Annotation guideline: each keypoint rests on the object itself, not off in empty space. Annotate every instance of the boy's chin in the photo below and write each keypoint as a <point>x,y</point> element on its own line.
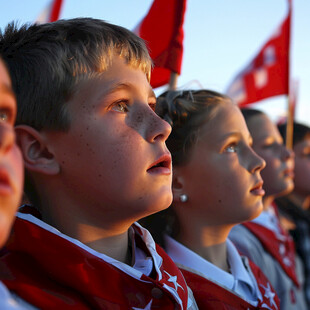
<point>163,202</point>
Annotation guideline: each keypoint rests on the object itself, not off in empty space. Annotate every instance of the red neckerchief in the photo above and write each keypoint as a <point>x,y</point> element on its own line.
<point>209,295</point>
<point>51,272</point>
<point>283,250</point>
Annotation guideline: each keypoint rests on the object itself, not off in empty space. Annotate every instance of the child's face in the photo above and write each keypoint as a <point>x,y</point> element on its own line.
<point>267,143</point>
<point>11,169</point>
<point>115,140</point>
<point>302,167</point>
<point>222,178</point>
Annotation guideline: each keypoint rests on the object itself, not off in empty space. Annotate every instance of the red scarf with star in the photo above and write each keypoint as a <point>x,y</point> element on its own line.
<point>51,272</point>
<point>282,250</point>
<point>211,296</point>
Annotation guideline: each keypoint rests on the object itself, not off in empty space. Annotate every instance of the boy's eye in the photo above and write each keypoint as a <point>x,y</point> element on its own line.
<point>232,148</point>
<point>120,106</point>
<point>4,115</point>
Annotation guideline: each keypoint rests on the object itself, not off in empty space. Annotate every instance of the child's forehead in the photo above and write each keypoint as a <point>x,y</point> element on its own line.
<point>4,76</point>
<point>226,119</point>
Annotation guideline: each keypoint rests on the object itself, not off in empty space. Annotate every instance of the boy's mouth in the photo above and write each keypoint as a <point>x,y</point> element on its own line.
<point>161,166</point>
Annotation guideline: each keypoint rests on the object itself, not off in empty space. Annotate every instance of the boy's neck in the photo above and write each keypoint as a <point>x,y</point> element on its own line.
<point>116,246</point>
<point>111,241</point>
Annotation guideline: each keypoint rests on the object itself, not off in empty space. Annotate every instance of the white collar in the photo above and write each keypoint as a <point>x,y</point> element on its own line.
<point>236,281</point>
<point>10,301</point>
<point>269,219</point>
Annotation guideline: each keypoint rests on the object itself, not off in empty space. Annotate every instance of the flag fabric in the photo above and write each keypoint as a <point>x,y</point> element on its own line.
<point>267,75</point>
<point>50,13</point>
<point>162,30</point>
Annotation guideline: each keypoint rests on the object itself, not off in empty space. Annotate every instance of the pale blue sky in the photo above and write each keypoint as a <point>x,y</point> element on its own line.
<point>221,37</point>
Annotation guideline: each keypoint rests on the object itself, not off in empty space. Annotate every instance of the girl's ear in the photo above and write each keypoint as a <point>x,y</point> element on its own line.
<point>177,185</point>
<point>35,150</point>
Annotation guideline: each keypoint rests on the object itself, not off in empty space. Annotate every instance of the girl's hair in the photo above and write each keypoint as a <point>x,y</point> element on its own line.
<point>186,111</point>
<point>300,132</point>
<point>248,113</point>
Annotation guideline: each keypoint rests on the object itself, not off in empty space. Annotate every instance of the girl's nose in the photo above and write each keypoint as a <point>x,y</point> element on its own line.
<point>258,163</point>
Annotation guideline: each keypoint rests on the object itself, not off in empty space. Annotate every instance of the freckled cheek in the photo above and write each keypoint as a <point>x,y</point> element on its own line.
<point>143,120</point>
<point>135,120</point>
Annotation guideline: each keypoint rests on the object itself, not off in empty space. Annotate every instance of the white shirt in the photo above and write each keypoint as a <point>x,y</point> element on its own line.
<point>240,280</point>
<point>9,301</point>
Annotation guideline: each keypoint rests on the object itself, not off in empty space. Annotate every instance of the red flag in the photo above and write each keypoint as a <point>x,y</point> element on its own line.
<point>162,29</point>
<point>51,12</point>
<point>268,73</point>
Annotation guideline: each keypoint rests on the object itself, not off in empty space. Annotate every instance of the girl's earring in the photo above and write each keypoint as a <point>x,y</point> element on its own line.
<point>183,198</point>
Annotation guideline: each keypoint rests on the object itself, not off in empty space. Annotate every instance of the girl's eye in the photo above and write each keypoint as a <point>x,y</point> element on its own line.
<point>120,106</point>
<point>232,148</point>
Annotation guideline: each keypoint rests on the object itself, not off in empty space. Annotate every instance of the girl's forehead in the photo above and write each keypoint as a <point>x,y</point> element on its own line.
<point>226,119</point>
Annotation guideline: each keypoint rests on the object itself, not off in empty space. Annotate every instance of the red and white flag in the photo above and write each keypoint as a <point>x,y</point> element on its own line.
<point>162,29</point>
<point>267,75</point>
<point>51,12</point>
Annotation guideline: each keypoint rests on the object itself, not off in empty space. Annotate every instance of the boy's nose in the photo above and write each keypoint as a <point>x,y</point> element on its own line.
<point>7,138</point>
<point>159,129</point>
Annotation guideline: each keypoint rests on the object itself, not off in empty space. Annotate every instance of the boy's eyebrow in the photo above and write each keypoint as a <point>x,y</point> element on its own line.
<point>123,85</point>
<point>235,134</point>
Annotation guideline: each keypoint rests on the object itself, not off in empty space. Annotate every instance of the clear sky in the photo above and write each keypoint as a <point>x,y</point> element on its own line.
<point>221,37</point>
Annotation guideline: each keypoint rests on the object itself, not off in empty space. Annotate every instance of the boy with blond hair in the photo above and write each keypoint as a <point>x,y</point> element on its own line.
<point>96,161</point>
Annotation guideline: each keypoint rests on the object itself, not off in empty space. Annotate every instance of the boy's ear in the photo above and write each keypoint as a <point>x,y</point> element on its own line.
<point>177,185</point>
<point>36,154</point>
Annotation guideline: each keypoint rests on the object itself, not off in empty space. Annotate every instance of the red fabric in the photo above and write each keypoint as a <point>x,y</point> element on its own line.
<point>268,73</point>
<point>162,29</point>
<point>278,249</point>
<point>209,295</point>
<point>50,272</point>
<point>55,10</point>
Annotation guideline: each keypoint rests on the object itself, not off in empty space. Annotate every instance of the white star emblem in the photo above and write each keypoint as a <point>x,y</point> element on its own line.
<point>269,295</point>
<point>287,261</point>
<point>174,279</point>
<point>147,307</point>
<point>282,249</point>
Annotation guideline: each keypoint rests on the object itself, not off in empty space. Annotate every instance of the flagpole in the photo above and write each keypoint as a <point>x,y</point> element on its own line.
<point>173,81</point>
<point>290,116</point>
<point>289,125</point>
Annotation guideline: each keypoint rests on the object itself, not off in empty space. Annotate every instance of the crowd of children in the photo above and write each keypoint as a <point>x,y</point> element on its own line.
<point>98,148</point>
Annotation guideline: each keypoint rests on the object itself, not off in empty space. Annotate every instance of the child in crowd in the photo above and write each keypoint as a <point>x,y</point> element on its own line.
<point>11,178</point>
<point>96,161</point>
<point>294,208</point>
<point>216,184</point>
<point>264,240</point>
